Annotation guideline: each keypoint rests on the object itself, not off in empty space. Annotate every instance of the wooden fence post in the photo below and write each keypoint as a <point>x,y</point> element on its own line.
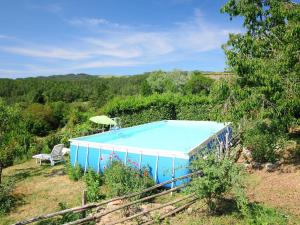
<point>83,202</point>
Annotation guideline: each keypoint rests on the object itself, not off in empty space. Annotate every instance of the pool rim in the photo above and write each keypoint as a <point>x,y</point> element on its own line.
<point>149,151</point>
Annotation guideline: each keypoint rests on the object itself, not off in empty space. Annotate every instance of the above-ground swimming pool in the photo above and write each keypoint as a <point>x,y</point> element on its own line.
<point>164,147</point>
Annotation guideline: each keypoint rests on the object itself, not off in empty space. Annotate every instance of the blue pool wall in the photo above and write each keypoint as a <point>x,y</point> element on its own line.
<point>164,167</point>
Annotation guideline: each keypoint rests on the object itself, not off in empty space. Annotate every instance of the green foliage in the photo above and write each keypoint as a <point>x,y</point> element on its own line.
<point>93,182</point>
<point>219,178</point>
<point>265,59</point>
<point>13,135</point>
<point>139,109</point>
<point>69,88</point>
<point>68,217</point>
<point>7,201</point>
<point>75,172</point>
<point>198,83</point>
<point>176,81</point>
<point>262,215</point>
<point>40,119</point>
<point>121,179</point>
<point>264,139</point>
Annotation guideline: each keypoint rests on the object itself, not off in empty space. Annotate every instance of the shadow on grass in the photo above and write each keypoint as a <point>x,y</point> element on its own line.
<point>22,174</point>
<point>227,206</point>
<point>45,170</point>
<point>56,172</point>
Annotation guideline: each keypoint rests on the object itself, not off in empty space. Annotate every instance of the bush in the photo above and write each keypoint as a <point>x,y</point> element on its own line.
<point>264,139</point>
<point>143,109</point>
<point>121,179</point>
<point>75,172</point>
<point>39,119</point>
<point>219,178</point>
<point>262,215</point>
<point>7,201</point>
<point>93,182</point>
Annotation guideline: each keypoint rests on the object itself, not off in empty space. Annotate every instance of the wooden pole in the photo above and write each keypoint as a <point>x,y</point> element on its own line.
<point>176,210</point>
<point>94,205</point>
<point>83,202</point>
<point>149,210</point>
<point>95,217</point>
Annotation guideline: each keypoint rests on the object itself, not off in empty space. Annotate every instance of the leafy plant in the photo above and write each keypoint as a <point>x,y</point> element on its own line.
<point>7,201</point>
<point>75,172</point>
<point>265,141</point>
<point>265,60</point>
<point>262,215</point>
<point>219,178</point>
<point>121,179</point>
<point>93,183</point>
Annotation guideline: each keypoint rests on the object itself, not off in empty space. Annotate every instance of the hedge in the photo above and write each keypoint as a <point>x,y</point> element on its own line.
<point>136,110</point>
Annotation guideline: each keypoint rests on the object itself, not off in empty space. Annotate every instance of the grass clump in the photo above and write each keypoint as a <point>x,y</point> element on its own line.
<point>262,215</point>
<point>75,173</point>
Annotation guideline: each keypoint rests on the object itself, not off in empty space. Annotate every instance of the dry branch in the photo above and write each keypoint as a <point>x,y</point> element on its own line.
<point>95,217</point>
<point>150,210</point>
<point>176,210</point>
<point>93,205</point>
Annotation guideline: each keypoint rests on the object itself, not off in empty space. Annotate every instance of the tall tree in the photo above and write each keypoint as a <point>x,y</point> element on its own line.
<point>266,61</point>
<point>13,135</point>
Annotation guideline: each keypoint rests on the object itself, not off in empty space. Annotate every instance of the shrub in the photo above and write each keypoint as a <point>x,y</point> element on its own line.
<point>121,179</point>
<point>219,178</point>
<point>75,172</point>
<point>262,215</point>
<point>93,182</point>
<point>39,119</point>
<point>142,109</point>
<point>7,201</point>
<point>264,139</point>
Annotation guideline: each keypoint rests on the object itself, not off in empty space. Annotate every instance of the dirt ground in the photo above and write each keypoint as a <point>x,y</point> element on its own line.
<point>279,189</point>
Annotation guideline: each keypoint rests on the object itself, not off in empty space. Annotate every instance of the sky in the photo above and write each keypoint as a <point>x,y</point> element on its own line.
<point>111,37</point>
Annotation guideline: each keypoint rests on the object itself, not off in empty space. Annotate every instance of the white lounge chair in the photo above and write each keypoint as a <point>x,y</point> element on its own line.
<point>55,156</point>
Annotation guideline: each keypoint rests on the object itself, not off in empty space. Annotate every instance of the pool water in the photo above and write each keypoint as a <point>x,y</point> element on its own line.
<point>179,136</point>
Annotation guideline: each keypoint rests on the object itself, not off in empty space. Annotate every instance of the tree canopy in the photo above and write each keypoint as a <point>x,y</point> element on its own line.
<point>266,61</point>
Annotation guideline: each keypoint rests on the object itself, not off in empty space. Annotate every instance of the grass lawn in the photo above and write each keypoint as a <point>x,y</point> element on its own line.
<point>39,189</point>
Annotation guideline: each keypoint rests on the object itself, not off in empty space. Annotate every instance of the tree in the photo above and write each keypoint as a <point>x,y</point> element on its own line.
<point>12,135</point>
<point>158,81</point>
<point>265,59</point>
<point>40,119</point>
<point>198,83</point>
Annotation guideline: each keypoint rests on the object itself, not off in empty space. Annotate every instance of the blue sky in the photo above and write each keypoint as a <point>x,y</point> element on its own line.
<point>43,37</point>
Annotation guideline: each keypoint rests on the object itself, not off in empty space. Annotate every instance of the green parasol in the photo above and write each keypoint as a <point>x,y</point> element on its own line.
<point>105,120</point>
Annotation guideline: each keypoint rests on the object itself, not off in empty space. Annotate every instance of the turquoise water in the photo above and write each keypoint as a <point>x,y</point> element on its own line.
<point>167,135</point>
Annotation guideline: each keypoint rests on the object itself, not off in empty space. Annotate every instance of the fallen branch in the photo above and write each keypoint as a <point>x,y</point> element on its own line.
<point>94,205</point>
<point>95,217</point>
<point>176,210</point>
<point>150,210</point>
